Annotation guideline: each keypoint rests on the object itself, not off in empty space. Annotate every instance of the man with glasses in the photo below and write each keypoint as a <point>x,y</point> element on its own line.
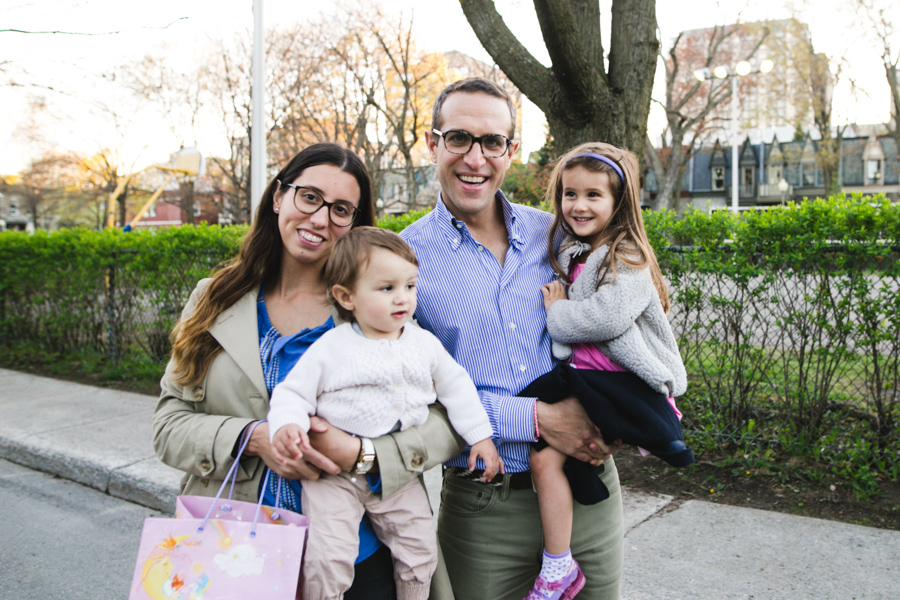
<point>482,262</point>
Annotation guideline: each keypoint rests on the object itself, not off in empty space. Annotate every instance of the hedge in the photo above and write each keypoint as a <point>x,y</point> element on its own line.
<point>788,319</point>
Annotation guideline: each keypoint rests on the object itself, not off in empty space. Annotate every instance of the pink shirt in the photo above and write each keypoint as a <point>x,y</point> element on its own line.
<point>588,356</point>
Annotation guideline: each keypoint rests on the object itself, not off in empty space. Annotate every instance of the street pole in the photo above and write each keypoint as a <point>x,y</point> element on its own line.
<point>734,144</point>
<point>257,126</point>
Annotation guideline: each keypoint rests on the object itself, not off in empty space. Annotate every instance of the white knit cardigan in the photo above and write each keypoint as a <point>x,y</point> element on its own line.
<point>366,387</point>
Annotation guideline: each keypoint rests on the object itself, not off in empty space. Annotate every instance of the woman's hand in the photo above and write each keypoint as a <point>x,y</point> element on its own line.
<point>553,291</point>
<point>566,427</point>
<point>336,444</point>
<point>308,467</point>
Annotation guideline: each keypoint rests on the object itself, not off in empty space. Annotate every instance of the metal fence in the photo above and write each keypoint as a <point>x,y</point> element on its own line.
<point>800,357</point>
<point>778,354</point>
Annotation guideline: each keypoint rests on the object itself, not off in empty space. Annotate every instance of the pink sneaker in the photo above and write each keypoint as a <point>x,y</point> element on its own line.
<point>564,589</point>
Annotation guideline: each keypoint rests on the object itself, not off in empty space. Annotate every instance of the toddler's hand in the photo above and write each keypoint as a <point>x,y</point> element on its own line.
<point>487,451</point>
<point>289,443</point>
<point>553,291</point>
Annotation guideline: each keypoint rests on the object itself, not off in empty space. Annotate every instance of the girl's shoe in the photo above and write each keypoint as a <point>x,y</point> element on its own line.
<point>564,589</point>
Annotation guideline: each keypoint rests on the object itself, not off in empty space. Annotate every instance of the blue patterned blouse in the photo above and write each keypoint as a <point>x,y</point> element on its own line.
<point>279,354</point>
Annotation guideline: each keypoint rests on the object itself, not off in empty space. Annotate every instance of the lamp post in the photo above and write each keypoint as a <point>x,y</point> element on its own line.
<point>741,69</point>
<point>257,127</point>
<point>782,187</point>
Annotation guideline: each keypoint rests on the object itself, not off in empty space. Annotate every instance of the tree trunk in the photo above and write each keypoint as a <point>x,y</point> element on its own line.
<point>891,71</point>
<point>582,99</point>
<point>122,209</point>
<point>186,189</point>
<point>410,184</point>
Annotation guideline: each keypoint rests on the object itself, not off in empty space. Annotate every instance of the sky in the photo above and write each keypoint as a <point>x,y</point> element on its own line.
<point>78,67</point>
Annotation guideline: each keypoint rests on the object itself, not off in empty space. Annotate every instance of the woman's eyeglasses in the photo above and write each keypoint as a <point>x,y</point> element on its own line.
<point>309,201</point>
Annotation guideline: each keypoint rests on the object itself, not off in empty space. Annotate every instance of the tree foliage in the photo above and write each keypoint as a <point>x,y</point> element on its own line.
<point>692,106</point>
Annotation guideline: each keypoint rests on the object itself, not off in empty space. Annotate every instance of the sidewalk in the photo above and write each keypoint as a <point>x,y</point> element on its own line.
<point>697,550</point>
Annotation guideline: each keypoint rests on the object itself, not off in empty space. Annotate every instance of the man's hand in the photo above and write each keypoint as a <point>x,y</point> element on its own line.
<point>553,291</point>
<point>566,427</point>
<point>308,467</point>
<point>336,444</point>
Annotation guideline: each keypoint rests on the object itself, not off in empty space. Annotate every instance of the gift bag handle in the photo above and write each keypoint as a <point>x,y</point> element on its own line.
<point>232,475</point>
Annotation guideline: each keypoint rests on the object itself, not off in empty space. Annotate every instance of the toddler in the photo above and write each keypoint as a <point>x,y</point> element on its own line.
<point>372,375</point>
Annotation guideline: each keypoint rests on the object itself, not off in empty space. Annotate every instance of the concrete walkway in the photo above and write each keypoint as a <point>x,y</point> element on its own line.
<point>695,550</point>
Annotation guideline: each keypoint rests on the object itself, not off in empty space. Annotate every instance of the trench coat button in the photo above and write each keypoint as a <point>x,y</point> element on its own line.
<point>198,394</point>
<point>205,464</point>
<point>417,461</point>
<point>204,482</point>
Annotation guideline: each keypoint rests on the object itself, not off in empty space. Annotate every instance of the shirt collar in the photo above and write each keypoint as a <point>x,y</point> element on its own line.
<point>456,231</point>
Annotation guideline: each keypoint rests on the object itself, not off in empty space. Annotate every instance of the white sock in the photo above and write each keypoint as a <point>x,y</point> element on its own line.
<point>555,566</point>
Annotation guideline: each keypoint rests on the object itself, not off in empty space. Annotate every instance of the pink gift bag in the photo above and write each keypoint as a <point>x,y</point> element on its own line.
<point>220,550</point>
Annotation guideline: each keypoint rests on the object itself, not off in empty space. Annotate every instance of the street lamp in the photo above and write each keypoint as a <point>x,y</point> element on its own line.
<point>741,69</point>
<point>783,187</point>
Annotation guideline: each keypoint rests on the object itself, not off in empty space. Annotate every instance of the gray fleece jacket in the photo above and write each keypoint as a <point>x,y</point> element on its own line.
<point>624,319</point>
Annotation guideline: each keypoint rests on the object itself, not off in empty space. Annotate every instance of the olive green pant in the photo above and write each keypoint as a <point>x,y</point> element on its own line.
<point>492,540</point>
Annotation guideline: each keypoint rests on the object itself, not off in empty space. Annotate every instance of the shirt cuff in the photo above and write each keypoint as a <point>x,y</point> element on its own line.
<point>515,419</point>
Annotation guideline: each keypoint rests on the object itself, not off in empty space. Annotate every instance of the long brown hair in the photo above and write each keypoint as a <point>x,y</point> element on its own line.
<point>625,234</point>
<point>259,260</point>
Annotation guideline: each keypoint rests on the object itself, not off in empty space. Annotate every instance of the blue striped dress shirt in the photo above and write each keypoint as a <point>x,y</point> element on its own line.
<point>490,318</point>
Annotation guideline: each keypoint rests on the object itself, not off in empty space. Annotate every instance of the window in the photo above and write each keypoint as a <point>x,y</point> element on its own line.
<point>718,178</point>
<point>873,171</point>
<point>196,209</point>
<point>747,181</point>
<point>151,212</point>
<point>809,174</point>
<point>776,174</point>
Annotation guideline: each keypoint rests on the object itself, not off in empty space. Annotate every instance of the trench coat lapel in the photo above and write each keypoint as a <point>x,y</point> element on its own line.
<point>237,331</point>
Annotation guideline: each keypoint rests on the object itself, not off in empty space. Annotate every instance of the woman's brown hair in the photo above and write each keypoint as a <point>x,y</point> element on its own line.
<point>625,234</point>
<point>258,262</point>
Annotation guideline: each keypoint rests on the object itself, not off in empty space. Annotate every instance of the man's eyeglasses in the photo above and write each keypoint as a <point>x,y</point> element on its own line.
<point>309,201</point>
<point>458,141</point>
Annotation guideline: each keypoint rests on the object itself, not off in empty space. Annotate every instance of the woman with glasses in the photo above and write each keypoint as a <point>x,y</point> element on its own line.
<point>246,326</point>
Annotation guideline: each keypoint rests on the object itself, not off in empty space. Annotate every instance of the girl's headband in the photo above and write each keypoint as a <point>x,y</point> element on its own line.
<point>601,158</point>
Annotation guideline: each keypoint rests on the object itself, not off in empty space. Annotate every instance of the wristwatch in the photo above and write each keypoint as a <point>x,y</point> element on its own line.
<point>366,459</point>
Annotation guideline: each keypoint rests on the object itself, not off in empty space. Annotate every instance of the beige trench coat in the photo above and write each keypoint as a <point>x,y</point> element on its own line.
<point>195,428</point>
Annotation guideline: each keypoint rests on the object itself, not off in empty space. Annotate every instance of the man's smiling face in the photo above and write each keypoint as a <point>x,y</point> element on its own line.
<point>470,181</point>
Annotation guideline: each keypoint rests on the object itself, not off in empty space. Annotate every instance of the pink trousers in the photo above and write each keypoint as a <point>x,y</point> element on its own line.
<point>403,522</point>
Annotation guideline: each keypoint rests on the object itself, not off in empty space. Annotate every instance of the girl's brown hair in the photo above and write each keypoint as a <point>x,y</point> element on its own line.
<point>352,254</point>
<point>625,234</point>
<point>258,262</point>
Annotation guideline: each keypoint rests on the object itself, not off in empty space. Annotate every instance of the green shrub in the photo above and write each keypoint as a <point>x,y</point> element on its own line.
<point>788,320</point>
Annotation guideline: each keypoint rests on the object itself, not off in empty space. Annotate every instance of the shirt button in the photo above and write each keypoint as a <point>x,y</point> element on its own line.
<point>398,410</point>
<point>481,248</point>
<point>522,368</point>
<point>398,384</point>
<point>512,325</point>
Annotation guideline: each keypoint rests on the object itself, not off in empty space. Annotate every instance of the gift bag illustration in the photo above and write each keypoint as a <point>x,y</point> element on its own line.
<point>217,549</point>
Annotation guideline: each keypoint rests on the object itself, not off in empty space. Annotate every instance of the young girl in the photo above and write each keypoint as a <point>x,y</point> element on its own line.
<point>624,365</point>
<point>374,374</point>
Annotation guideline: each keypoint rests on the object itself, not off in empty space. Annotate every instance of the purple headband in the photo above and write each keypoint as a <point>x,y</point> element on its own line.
<point>601,158</point>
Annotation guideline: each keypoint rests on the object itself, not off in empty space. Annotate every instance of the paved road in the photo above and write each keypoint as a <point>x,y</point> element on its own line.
<point>60,539</point>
